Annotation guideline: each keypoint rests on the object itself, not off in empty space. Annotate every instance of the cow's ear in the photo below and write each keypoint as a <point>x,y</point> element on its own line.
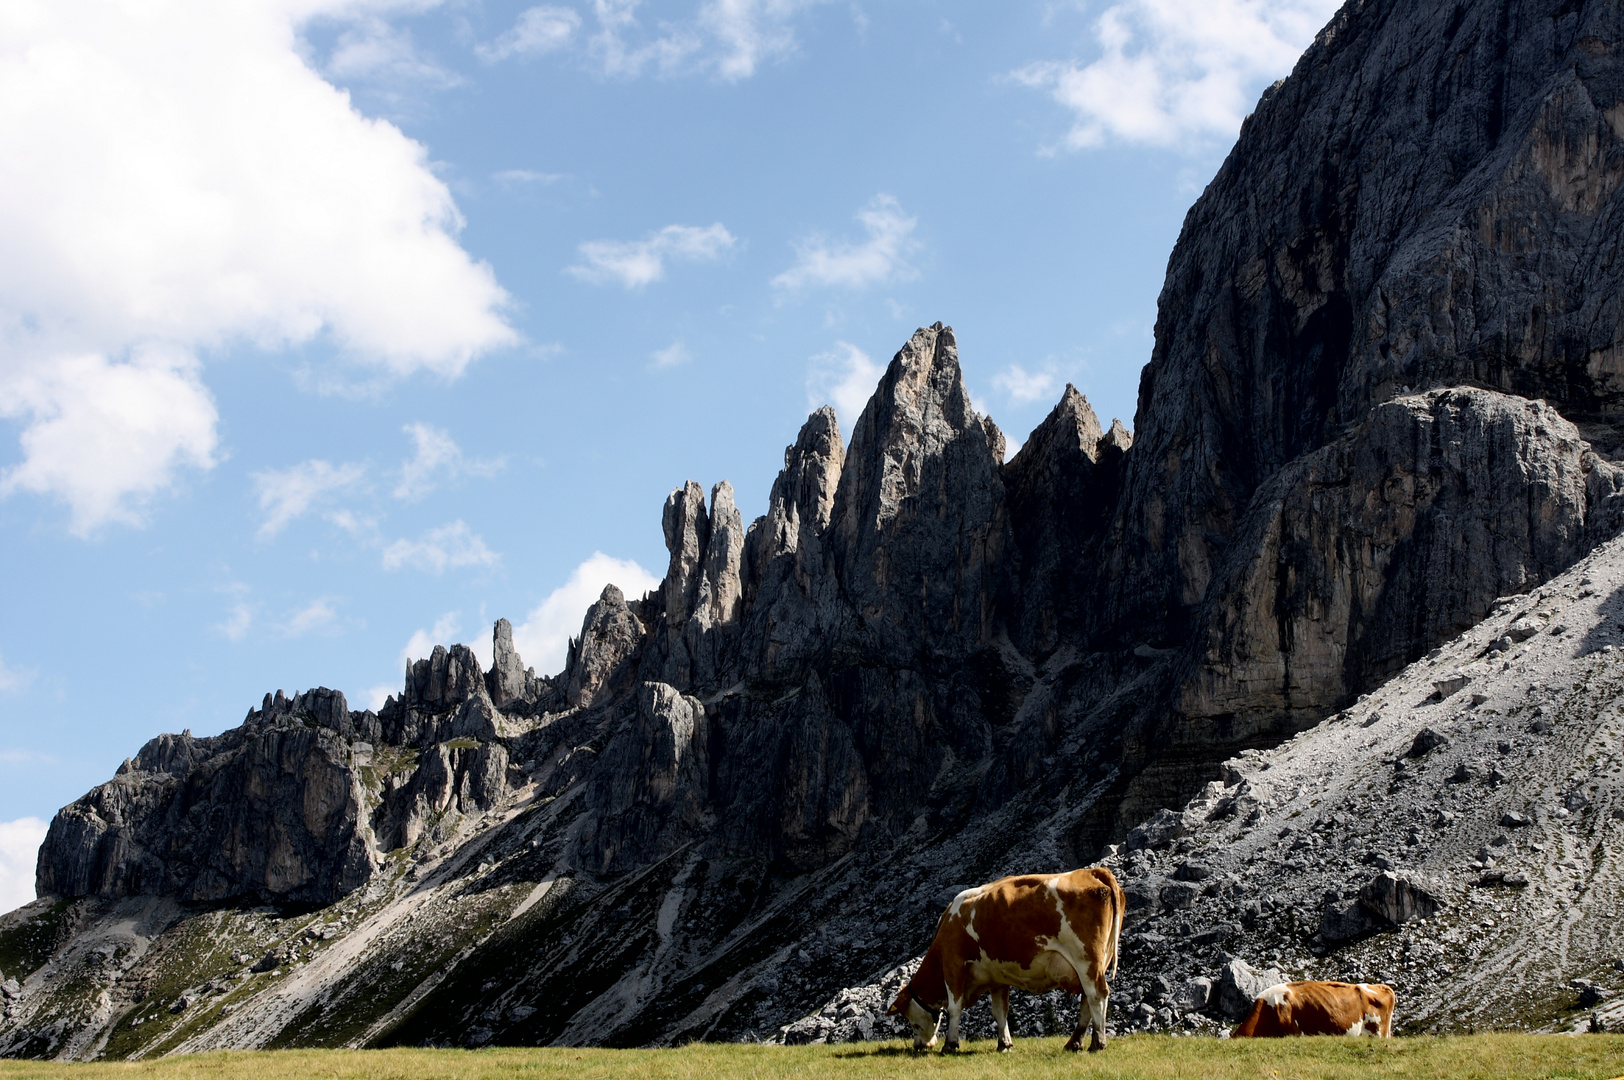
<point>901,1003</point>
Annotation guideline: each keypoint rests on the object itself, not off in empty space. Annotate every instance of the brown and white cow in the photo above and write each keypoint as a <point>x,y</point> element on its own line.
<point>1035,932</point>
<point>1320,1008</point>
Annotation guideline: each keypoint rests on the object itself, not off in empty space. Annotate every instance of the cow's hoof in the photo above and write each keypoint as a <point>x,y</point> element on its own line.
<point>950,1048</point>
<point>1074,1044</point>
<point>1005,1047</point>
<point>1096,1046</point>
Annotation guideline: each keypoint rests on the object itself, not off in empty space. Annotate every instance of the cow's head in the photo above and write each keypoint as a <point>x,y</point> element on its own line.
<point>923,1021</point>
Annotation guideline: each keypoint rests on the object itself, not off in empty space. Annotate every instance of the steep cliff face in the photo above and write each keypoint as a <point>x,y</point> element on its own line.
<point>1380,400</point>
<point>1429,201</point>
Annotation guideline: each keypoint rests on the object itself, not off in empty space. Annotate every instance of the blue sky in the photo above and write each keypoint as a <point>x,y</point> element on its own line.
<point>330,329</point>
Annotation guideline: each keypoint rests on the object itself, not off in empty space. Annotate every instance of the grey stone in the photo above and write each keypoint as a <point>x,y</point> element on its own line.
<point>1239,984</point>
<point>1398,898</point>
<point>1344,921</point>
<point>1426,741</point>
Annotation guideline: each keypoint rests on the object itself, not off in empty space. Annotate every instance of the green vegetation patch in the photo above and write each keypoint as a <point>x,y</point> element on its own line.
<point>1478,1057</point>
<point>26,946</point>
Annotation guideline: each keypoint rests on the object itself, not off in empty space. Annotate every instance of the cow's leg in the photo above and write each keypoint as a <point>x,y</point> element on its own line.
<point>1091,1009</point>
<point>955,1006</point>
<point>1000,1016</point>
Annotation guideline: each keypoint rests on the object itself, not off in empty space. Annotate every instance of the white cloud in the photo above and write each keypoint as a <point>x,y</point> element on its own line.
<point>450,546</point>
<point>319,614</point>
<point>237,622</point>
<point>13,678</point>
<point>517,177</point>
<point>1178,73</point>
<point>378,696</point>
<point>672,355</point>
<point>377,51</point>
<point>635,263</point>
<point>102,436</point>
<point>176,179</point>
<point>728,38</point>
<point>880,258</point>
<point>436,457</point>
<point>1023,387</point>
<point>542,640</point>
<point>844,377</point>
<point>422,642</point>
<point>19,851</point>
<point>537,30</point>
<point>286,494</point>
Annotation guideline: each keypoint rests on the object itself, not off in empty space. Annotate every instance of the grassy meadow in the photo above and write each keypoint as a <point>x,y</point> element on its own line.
<point>1141,1057</point>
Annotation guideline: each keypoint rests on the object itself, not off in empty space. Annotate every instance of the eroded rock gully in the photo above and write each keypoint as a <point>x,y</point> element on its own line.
<point>1383,397</point>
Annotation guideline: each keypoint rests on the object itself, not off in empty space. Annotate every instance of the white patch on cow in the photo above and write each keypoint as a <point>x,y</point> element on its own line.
<point>961,899</point>
<point>970,928</point>
<point>1276,996</point>
<point>923,1023</point>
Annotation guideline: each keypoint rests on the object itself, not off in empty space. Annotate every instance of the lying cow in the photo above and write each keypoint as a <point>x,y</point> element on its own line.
<point>1320,1008</point>
<point>1036,932</point>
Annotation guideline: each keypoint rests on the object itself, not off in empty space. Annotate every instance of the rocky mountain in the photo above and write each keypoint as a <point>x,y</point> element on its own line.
<point>1381,401</point>
<point>1458,834</point>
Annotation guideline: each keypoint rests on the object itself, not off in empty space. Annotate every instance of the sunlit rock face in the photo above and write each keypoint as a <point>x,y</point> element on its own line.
<point>1384,395</point>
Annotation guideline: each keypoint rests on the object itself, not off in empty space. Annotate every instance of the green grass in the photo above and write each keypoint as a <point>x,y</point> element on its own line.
<point>1141,1057</point>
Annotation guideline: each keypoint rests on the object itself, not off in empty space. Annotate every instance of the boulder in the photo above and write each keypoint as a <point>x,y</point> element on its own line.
<point>1345,920</point>
<point>1158,830</point>
<point>1239,984</point>
<point>1194,995</point>
<point>1398,898</point>
<point>1426,741</point>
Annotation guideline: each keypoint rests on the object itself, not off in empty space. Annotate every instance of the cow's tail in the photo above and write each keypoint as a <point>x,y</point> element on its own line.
<point>1117,904</point>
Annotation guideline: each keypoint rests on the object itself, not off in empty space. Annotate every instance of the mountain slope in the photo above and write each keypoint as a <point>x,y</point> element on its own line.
<point>1379,401</point>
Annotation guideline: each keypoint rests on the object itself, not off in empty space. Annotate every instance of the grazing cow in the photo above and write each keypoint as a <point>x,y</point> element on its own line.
<point>1036,932</point>
<point>1320,1008</point>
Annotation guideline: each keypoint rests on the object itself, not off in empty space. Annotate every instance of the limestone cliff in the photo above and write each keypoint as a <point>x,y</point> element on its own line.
<point>1382,397</point>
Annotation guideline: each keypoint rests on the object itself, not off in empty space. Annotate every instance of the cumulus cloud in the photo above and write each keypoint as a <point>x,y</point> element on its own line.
<point>537,30</point>
<point>844,377</point>
<point>436,457</point>
<point>1024,387</point>
<point>19,850</point>
<point>239,619</point>
<point>452,546</point>
<point>103,436</point>
<point>175,179</point>
<point>286,494</point>
<point>1178,73</point>
<point>879,259</point>
<point>635,263</point>
<point>542,640</point>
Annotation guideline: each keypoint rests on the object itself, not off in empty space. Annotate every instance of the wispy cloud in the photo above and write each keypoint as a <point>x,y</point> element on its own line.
<point>239,619</point>
<point>1023,387</point>
<point>286,494</point>
<point>436,458</point>
<point>376,50</point>
<point>422,642</point>
<point>635,263</point>
<point>673,355</point>
<point>1177,73</point>
<point>542,638</point>
<point>522,177</point>
<point>844,377</point>
<point>879,259</point>
<point>542,29</point>
<point>12,679</point>
<point>450,547</point>
<point>318,614</point>
<point>730,39</point>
